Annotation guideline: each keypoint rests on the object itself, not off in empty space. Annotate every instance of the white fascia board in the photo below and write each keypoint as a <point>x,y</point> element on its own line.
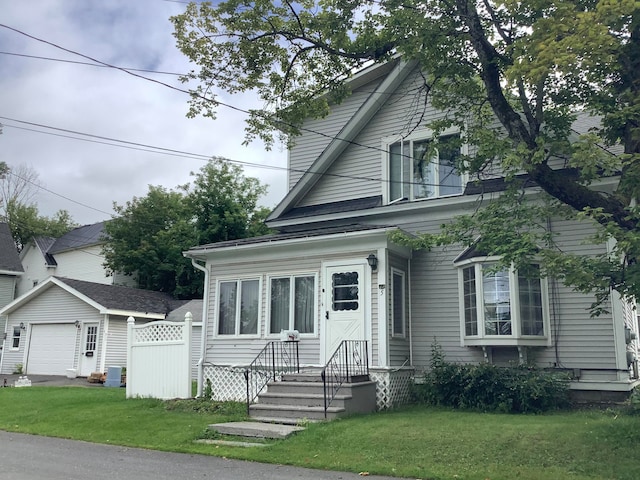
<point>431,206</point>
<point>11,272</point>
<point>26,297</point>
<point>346,135</point>
<point>132,313</point>
<point>325,244</point>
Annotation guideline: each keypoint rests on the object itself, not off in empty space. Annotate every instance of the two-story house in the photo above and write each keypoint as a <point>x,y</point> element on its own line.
<point>332,273</point>
<point>76,254</point>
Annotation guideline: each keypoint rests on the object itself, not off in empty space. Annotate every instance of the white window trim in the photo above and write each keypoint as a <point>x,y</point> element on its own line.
<point>396,271</point>
<point>291,276</point>
<point>516,338</point>
<point>216,326</point>
<point>13,337</point>
<point>420,134</point>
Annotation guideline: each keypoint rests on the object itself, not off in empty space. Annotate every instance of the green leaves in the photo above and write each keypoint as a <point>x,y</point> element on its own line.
<point>150,234</point>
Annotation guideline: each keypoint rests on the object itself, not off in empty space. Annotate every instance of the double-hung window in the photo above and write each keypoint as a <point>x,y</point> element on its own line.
<point>15,340</point>
<point>238,307</point>
<point>418,169</point>
<point>292,303</point>
<point>502,307</point>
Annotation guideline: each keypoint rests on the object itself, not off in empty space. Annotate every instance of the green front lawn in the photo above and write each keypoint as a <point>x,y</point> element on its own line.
<point>414,442</point>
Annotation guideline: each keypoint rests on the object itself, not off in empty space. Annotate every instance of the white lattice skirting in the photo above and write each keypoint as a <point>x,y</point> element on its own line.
<point>392,390</point>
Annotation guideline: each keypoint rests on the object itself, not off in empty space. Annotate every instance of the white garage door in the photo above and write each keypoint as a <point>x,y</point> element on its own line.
<point>51,349</point>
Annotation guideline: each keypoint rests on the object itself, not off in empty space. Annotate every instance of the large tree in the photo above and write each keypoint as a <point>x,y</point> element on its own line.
<point>511,76</point>
<point>147,237</point>
<point>18,187</point>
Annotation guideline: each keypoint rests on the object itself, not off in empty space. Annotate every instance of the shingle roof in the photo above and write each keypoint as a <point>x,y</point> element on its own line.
<point>277,237</point>
<point>193,306</point>
<point>79,237</point>
<point>44,244</point>
<point>333,207</point>
<point>9,258</point>
<point>124,298</point>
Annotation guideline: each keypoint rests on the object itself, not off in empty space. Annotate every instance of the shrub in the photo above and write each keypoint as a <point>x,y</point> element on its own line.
<point>488,388</point>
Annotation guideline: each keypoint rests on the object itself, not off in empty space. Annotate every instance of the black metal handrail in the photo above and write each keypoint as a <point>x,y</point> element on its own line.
<point>349,363</point>
<point>275,359</point>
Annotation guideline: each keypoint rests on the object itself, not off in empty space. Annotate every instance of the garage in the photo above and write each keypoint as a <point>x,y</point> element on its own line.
<point>51,349</point>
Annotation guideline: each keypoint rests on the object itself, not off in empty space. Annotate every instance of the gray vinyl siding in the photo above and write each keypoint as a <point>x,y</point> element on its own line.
<point>7,289</point>
<point>236,350</point>
<point>241,350</point>
<point>54,305</point>
<point>358,173</point>
<point>318,133</point>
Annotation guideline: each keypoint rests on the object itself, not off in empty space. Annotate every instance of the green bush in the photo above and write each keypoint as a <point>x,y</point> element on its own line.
<point>488,388</point>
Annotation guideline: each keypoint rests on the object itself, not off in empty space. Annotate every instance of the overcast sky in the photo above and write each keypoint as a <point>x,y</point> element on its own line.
<point>85,177</point>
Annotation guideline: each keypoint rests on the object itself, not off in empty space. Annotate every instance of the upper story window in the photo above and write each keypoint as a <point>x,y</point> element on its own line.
<point>292,303</point>
<point>238,307</point>
<point>419,170</point>
<point>500,307</point>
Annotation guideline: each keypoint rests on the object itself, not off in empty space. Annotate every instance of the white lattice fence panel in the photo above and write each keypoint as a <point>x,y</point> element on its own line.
<point>152,333</point>
<point>393,388</point>
<point>228,383</point>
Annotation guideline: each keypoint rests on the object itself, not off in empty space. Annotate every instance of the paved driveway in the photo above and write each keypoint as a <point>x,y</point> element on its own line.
<point>49,380</point>
<point>30,457</point>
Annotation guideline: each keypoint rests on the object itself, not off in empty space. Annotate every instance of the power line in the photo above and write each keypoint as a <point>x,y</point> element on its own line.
<point>62,60</point>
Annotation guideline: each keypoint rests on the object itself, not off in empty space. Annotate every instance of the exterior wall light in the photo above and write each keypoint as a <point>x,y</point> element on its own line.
<point>22,326</point>
<point>372,260</point>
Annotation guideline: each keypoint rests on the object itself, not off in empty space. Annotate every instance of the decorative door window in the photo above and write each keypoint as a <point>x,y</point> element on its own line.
<point>92,336</point>
<point>344,288</point>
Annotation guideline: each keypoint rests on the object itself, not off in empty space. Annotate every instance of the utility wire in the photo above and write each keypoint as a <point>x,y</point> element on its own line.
<point>88,63</point>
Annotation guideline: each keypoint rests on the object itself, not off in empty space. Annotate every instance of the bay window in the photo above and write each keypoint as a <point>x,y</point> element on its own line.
<point>418,170</point>
<point>292,303</point>
<point>502,307</point>
<point>238,307</point>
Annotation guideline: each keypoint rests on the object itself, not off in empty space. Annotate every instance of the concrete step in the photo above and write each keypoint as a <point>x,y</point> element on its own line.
<point>297,387</point>
<point>301,399</point>
<point>302,377</point>
<point>255,429</point>
<point>300,413</point>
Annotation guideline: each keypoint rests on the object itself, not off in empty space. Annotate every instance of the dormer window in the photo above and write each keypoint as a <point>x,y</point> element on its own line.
<point>418,170</point>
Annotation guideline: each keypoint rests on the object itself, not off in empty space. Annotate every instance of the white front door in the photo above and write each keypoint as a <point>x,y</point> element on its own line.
<point>88,349</point>
<point>345,300</point>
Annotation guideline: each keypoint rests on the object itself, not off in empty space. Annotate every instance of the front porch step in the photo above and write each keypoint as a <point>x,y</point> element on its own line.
<point>301,399</point>
<point>293,412</point>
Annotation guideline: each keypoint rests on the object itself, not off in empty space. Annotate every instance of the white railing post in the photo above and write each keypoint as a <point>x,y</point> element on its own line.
<point>130,324</point>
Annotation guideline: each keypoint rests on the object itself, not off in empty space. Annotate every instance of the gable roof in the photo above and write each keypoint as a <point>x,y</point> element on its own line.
<point>84,236</point>
<point>107,299</point>
<point>347,134</point>
<point>9,259</point>
<point>193,306</point>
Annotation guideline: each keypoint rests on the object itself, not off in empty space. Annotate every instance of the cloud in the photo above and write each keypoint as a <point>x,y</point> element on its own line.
<point>109,103</point>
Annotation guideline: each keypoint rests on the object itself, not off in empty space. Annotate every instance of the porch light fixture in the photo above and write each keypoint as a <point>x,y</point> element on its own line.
<point>22,327</point>
<point>77,324</point>
<point>372,260</point>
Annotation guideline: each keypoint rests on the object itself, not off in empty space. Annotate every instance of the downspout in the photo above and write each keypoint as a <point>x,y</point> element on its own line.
<point>203,340</point>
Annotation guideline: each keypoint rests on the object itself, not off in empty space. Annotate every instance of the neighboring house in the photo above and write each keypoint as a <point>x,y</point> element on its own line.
<point>10,270</point>
<point>332,273</point>
<point>65,325</point>
<point>77,254</point>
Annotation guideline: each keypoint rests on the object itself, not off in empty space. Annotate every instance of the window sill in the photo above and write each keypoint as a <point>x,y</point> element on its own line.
<point>506,342</point>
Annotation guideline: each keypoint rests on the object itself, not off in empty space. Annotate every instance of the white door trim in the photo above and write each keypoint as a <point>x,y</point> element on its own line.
<point>366,302</point>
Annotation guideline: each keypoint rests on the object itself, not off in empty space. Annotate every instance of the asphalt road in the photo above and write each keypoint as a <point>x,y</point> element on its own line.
<point>30,457</point>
